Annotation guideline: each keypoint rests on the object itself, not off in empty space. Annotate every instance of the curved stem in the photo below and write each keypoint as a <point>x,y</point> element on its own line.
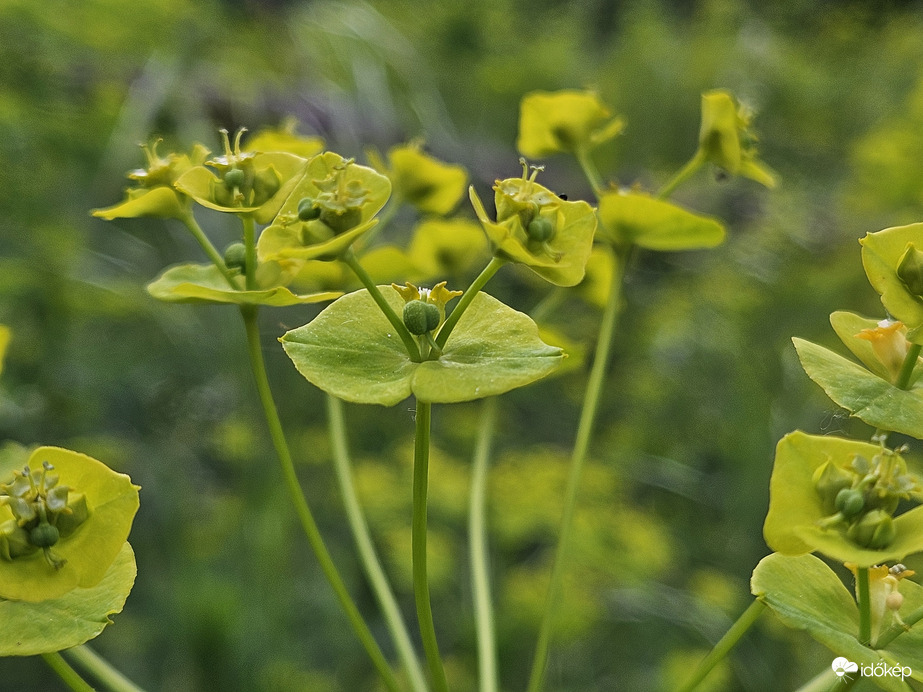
<point>420,580</point>
<point>197,232</point>
<point>890,634</point>
<point>290,477</point>
<point>581,445</point>
<point>725,644</point>
<point>367,555</point>
<point>865,606</point>
<point>101,669</point>
<point>590,171</point>
<point>477,531</point>
<point>70,676</point>
<point>827,681</point>
<point>349,257</point>
<point>486,275</point>
<point>684,173</point>
<point>906,371</point>
<point>250,248</point>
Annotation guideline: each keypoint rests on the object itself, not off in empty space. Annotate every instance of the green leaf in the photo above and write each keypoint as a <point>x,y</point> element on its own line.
<point>881,254</point>
<point>636,218</point>
<point>864,394</point>
<point>112,500</point>
<point>69,620</point>
<point>795,507</point>
<point>847,325</point>
<point>806,594</point>
<point>562,121</point>
<point>203,283</point>
<point>351,351</point>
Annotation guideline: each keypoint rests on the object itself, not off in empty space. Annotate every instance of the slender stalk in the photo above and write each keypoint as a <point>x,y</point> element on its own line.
<point>486,275</point>
<point>70,676</point>
<point>477,531</point>
<point>249,314</point>
<point>890,634</point>
<point>865,606</point>
<point>590,171</point>
<point>420,580</point>
<point>101,669</point>
<point>197,232</point>
<point>827,681</point>
<point>367,555</point>
<point>684,173</point>
<point>725,644</point>
<point>250,248</point>
<point>906,371</point>
<point>581,445</point>
<point>409,342</point>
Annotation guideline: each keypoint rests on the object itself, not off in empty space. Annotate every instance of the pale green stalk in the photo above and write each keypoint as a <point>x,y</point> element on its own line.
<point>397,322</point>
<point>575,473</point>
<point>477,532</point>
<point>367,555</point>
<point>70,676</point>
<point>590,171</point>
<point>420,576</point>
<point>197,233</point>
<point>302,509</point>
<point>865,606</point>
<point>890,634</point>
<point>725,644</point>
<point>684,173</point>
<point>250,246</point>
<point>446,330</point>
<point>827,681</point>
<point>101,669</point>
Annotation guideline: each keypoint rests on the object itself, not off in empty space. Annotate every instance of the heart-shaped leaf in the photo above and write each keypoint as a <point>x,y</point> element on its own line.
<point>351,351</point>
<point>864,394</point>
<point>203,283</point>
<point>68,620</point>
<point>112,500</point>
<point>632,217</point>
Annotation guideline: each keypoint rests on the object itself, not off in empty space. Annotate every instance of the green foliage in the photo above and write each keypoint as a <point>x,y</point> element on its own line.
<point>636,218</point>
<point>350,350</point>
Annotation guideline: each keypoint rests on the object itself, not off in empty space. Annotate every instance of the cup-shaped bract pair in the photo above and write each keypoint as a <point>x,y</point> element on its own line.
<point>243,182</point>
<point>727,140</point>
<point>421,180</point>
<point>838,497</point>
<point>567,121</point>
<point>64,518</point>
<point>536,228</point>
<point>893,261</point>
<point>332,205</point>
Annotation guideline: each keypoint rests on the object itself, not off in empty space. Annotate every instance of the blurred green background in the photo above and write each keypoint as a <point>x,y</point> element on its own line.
<point>703,383</point>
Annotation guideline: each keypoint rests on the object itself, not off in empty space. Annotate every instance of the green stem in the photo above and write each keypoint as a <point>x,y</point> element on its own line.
<point>250,248</point>
<point>910,361</point>
<point>420,580</point>
<point>197,232</point>
<point>486,275</point>
<point>890,634</point>
<point>865,606</point>
<point>725,644</point>
<point>290,477</point>
<point>70,676</point>
<point>684,173</point>
<point>349,257</point>
<point>367,555</point>
<point>477,531</point>
<point>581,446</point>
<point>590,171</point>
<point>101,669</point>
<point>827,681</point>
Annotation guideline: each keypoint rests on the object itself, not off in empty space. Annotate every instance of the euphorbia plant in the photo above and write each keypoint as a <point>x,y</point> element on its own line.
<point>307,217</point>
<point>853,501</point>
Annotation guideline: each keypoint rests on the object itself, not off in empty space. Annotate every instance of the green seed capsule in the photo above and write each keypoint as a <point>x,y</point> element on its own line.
<point>44,535</point>
<point>850,502</point>
<point>874,530</point>
<point>14,541</point>
<point>540,229</point>
<point>829,479</point>
<point>235,177</point>
<point>306,209</point>
<point>420,317</point>
<point>77,512</point>
<point>235,256</point>
<point>342,221</point>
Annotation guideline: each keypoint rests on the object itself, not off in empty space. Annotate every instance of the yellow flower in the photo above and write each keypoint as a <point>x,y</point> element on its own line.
<point>889,341</point>
<point>726,140</point>
<point>564,121</point>
<point>427,183</point>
